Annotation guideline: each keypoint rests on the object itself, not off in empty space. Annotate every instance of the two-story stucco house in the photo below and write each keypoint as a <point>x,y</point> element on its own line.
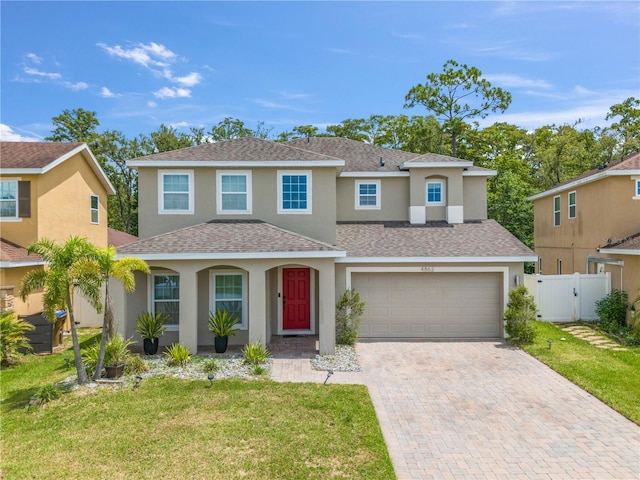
<point>275,232</point>
<point>591,224</point>
<point>47,190</point>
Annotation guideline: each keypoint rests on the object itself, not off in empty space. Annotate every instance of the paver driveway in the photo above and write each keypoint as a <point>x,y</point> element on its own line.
<point>482,410</point>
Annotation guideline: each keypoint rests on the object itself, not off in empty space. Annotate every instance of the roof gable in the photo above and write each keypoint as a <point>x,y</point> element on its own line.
<point>37,158</point>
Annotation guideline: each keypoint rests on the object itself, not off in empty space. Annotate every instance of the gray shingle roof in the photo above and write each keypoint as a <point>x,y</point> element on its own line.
<point>33,154</point>
<point>358,156</point>
<point>240,149</point>
<point>228,238</point>
<point>484,238</point>
<point>13,253</point>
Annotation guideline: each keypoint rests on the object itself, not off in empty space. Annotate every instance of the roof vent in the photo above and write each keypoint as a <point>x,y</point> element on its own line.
<point>381,162</point>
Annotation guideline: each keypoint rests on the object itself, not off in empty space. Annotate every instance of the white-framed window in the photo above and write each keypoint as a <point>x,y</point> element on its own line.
<point>165,297</point>
<point>94,209</point>
<point>572,204</point>
<point>294,191</point>
<point>435,193</point>
<point>229,293</point>
<point>637,190</point>
<point>559,266</point>
<point>175,191</point>
<point>9,199</point>
<point>234,192</point>
<point>367,194</point>
<point>556,211</point>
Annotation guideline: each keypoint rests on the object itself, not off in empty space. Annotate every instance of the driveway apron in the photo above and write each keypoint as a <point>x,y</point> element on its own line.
<point>483,410</point>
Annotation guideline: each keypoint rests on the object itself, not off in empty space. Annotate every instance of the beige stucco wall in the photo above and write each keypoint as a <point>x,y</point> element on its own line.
<point>394,195</point>
<point>12,277</point>
<point>320,224</point>
<point>605,212</point>
<point>475,198</point>
<point>263,300</point>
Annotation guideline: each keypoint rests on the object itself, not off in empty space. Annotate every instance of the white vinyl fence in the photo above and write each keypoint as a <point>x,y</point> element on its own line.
<point>567,298</point>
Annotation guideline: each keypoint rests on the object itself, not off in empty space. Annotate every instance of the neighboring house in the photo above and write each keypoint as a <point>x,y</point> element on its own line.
<point>591,224</point>
<point>47,190</point>
<point>276,232</point>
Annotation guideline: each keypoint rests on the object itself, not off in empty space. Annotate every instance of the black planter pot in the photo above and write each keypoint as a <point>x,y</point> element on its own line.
<point>114,371</point>
<point>150,345</point>
<point>220,344</point>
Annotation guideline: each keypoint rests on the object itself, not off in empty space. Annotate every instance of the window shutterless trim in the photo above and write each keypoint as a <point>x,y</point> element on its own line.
<point>358,195</point>
<point>244,324</point>
<point>161,193</point>
<point>442,201</point>
<point>556,210</point>
<point>573,205</point>
<point>308,195</point>
<point>95,209</point>
<point>247,192</point>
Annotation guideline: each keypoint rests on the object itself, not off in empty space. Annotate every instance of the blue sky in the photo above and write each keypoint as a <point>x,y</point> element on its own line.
<point>191,64</point>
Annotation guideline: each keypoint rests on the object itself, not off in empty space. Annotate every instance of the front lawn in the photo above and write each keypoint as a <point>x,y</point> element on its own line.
<point>611,376</point>
<point>173,428</point>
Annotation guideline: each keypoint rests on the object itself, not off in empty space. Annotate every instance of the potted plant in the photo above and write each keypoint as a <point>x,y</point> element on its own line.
<point>115,356</point>
<point>222,324</point>
<point>151,328</point>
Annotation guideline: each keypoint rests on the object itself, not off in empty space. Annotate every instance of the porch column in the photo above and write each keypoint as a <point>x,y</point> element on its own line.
<point>257,306</point>
<point>327,308</point>
<point>188,333</point>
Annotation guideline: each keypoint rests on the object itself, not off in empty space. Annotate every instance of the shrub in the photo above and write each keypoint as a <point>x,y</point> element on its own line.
<point>612,311</point>
<point>178,355</point>
<point>223,323</point>
<point>116,352</point>
<point>47,393</point>
<point>151,326</point>
<point>349,309</point>
<point>136,365</point>
<point>520,313</point>
<point>210,366</point>
<point>258,370</point>
<point>12,338</point>
<point>255,353</point>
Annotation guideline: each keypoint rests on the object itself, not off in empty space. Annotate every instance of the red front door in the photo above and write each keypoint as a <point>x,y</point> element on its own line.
<point>296,304</point>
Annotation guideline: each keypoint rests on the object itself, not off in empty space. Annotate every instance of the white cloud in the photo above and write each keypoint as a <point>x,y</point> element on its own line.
<point>167,92</point>
<point>32,57</point>
<point>342,51</point>
<point>179,124</point>
<point>151,104</point>
<point>8,135</point>
<point>516,81</point>
<point>37,73</point>
<point>190,80</point>
<point>77,86</point>
<point>106,93</point>
<point>147,55</point>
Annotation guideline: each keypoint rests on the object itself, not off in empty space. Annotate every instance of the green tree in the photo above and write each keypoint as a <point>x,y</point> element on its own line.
<point>627,127</point>
<point>122,269</point>
<point>69,268</point>
<point>76,125</point>
<point>457,95</point>
<point>228,129</point>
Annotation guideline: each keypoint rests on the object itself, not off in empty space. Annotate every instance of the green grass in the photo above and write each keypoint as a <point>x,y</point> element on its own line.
<point>171,428</point>
<point>611,376</point>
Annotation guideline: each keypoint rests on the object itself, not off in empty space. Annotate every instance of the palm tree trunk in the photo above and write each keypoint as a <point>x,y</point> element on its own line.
<point>107,319</point>
<point>80,370</point>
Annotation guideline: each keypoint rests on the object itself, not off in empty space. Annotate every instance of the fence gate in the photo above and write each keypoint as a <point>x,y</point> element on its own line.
<point>567,298</point>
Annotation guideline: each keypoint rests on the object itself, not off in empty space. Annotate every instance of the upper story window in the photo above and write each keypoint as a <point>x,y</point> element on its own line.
<point>294,192</point>
<point>435,192</point>
<point>367,194</point>
<point>637,196</point>
<point>9,199</point>
<point>175,191</point>
<point>572,204</point>
<point>94,209</point>
<point>230,294</point>
<point>556,211</point>
<point>234,192</point>
<point>165,297</point>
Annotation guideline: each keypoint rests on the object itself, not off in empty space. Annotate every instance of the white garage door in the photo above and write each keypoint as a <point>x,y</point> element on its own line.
<point>429,305</point>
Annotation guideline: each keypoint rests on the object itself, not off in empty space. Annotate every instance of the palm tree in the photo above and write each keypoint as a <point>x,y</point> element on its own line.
<point>121,269</point>
<point>67,269</point>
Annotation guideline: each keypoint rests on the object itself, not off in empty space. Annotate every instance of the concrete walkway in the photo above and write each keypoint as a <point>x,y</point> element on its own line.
<point>482,410</point>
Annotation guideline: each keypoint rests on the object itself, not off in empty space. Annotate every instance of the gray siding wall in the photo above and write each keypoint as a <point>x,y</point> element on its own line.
<point>319,225</point>
<point>475,198</point>
<point>394,193</point>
